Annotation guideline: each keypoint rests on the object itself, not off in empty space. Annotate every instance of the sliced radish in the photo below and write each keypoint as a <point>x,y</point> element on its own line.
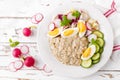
<point>74,24</point>
<point>33,20</point>
<point>70,16</point>
<point>18,64</point>
<point>37,18</point>
<point>88,32</point>
<point>24,49</point>
<point>51,26</point>
<point>84,16</point>
<point>88,26</point>
<point>92,36</point>
<point>60,16</point>
<point>46,69</point>
<point>57,22</point>
<point>11,67</point>
<point>65,27</point>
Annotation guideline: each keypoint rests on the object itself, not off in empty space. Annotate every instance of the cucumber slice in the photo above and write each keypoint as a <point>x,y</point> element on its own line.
<point>96,56</point>
<point>101,50</point>
<point>86,63</point>
<point>97,47</point>
<point>96,61</point>
<point>99,34</point>
<point>100,41</point>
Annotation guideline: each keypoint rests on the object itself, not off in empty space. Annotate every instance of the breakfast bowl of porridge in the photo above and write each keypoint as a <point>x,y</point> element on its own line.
<point>73,40</point>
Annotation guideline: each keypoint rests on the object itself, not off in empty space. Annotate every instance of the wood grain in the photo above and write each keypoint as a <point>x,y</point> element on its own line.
<point>11,25</point>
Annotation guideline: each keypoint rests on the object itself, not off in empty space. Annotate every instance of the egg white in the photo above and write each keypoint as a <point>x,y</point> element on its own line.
<point>81,34</point>
<point>93,49</point>
<point>74,33</point>
<point>55,35</point>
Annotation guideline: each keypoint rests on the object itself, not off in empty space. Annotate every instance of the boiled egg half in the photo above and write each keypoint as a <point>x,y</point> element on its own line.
<point>82,28</point>
<point>54,32</point>
<point>89,52</point>
<point>69,32</point>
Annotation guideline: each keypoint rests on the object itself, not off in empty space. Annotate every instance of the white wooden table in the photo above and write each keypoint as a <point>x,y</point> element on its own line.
<point>15,15</point>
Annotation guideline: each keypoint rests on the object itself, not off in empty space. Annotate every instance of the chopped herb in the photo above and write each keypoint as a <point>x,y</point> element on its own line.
<point>13,44</point>
<point>65,21</point>
<point>76,14</point>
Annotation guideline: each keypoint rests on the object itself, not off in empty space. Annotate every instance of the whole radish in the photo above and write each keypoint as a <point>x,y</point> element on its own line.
<point>27,32</point>
<point>16,53</point>
<point>29,61</point>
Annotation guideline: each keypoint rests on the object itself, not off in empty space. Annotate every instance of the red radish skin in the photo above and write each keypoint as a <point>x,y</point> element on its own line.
<point>29,61</point>
<point>24,49</point>
<point>16,53</point>
<point>27,32</point>
<point>88,26</point>
<point>60,16</point>
<point>18,64</point>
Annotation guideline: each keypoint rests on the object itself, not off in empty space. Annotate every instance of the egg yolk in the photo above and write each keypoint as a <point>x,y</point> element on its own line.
<point>81,26</point>
<point>68,32</point>
<point>87,52</point>
<point>54,32</point>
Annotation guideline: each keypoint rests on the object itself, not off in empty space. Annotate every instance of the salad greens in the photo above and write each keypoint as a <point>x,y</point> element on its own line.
<point>76,14</point>
<point>65,21</point>
<point>13,43</point>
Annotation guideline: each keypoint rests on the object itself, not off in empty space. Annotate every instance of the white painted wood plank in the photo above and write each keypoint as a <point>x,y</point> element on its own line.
<point>38,76</point>
<point>27,7</point>
<point>6,56</point>
<point>12,28</point>
<point>5,48</point>
<point>30,7</point>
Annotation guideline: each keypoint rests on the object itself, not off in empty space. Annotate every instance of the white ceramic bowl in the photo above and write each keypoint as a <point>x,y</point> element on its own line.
<point>74,71</point>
